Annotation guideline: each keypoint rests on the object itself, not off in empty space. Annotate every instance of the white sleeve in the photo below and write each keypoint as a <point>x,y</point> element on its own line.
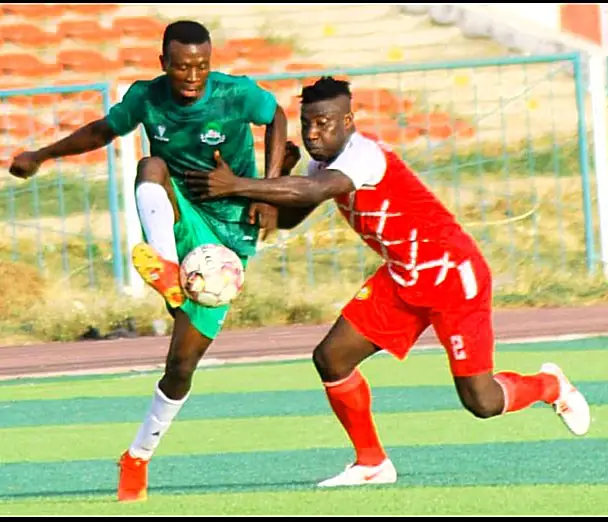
<point>362,161</point>
<point>313,167</point>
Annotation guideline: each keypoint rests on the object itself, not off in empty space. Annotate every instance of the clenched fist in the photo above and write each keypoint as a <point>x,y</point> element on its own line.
<point>25,164</point>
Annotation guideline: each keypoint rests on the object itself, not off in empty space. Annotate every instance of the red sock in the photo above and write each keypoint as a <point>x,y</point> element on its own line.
<point>523,390</point>
<point>351,400</point>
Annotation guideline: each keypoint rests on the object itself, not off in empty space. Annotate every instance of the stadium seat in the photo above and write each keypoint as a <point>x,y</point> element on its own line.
<point>276,86</point>
<point>7,153</point>
<point>90,158</point>
<point>27,35</point>
<point>223,57</point>
<point>140,57</point>
<point>139,27</point>
<point>25,65</point>
<point>269,53</point>
<point>89,97</point>
<point>20,125</point>
<point>86,31</point>
<point>302,66</point>
<point>243,45</point>
<point>70,120</point>
<point>33,11</point>
<point>35,101</point>
<point>249,70</point>
<point>424,120</point>
<point>129,77</point>
<point>463,129</point>
<point>376,100</point>
<point>92,9</point>
<point>85,61</point>
<point>440,131</point>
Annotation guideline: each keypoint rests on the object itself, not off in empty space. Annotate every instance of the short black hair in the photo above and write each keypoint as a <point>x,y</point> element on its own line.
<point>185,32</point>
<point>325,88</point>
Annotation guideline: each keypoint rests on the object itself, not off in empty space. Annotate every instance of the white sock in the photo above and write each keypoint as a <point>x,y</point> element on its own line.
<point>157,218</point>
<point>162,412</point>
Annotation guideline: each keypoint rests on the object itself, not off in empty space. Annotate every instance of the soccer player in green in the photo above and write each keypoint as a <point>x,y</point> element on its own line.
<point>191,116</point>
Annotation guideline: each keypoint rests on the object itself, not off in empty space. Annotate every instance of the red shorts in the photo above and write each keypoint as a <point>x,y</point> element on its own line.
<point>393,318</point>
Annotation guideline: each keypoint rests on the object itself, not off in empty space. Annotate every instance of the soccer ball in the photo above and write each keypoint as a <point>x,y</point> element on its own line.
<point>211,275</point>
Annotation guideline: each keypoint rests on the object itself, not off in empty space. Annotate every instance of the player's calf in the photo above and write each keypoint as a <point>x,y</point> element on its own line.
<point>481,395</point>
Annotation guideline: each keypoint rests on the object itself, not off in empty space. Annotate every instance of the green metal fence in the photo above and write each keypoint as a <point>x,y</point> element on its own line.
<point>502,141</point>
<point>66,219</point>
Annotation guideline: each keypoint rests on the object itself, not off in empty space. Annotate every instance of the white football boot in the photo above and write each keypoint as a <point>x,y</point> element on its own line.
<point>571,406</point>
<point>356,475</point>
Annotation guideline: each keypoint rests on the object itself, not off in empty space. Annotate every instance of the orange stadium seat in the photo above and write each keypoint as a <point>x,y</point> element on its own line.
<point>90,158</point>
<point>248,70</point>
<point>140,27</point>
<point>463,130</point>
<point>425,120</point>
<point>85,61</point>
<point>25,65</point>
<point>35,101</point>
<point>70,120</point>
<point>292,111</point>
<point>20,125</point>
<point>270,53</point>
<point>280,85</point>
<point>129,77</point>
<point>27,35</point>
<point>81,96</point>
<point>301,67</point>
<point>376,100</point>
<point>85,31</point>
<point>141,57</point>
<point>7,153</point>
<point>242,45</point>
<point>33,11</point>
<point>440,131</point>
<point>224,56</point>
<point>92,9</point>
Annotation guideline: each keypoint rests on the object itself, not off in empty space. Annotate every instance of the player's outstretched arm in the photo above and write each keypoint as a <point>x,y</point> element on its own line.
<point>274,150</point>
<point>92,136</point>
<point>286,191</point>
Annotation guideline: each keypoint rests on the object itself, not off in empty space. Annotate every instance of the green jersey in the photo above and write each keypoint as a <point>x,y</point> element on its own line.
<point>185,137</point>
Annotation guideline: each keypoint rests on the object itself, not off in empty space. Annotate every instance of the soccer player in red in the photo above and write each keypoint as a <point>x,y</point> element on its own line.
<point>434,274</point>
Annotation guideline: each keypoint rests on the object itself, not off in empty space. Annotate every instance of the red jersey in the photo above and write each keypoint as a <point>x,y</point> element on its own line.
<point>402,220</point>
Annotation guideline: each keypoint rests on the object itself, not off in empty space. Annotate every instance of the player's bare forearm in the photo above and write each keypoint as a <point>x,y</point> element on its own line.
<point>91,137</point>
<point>294,191</point>
<point>274,144</point>
<point>292,217</point>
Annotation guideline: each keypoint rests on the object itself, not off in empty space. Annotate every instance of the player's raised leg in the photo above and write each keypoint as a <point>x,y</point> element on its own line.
<point>469,340</point>
<point>187,347</point>
<point>336,359</point>
<point>157,260</point>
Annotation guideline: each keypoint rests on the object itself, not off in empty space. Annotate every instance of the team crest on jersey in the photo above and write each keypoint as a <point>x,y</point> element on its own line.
<point>364,293</point>
<point>213,135</point>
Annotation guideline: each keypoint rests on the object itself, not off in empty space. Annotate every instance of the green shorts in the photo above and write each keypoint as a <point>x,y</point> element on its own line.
<point>196,228</point>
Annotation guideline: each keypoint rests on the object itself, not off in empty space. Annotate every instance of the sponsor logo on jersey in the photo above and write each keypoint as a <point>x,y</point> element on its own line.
<point>160,133</point>
<point>213,135</point>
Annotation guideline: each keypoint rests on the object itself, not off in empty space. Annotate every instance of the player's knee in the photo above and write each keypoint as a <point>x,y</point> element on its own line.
<point>330,366</point>
<point>481,405</point>
<point>152,169</point>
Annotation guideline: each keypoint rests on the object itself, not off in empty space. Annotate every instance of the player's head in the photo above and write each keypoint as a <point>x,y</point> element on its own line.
<point>326,117</point>
<point>186,59</point>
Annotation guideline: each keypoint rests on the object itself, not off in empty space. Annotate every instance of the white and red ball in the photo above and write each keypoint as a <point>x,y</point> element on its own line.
<point>212,275</point>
